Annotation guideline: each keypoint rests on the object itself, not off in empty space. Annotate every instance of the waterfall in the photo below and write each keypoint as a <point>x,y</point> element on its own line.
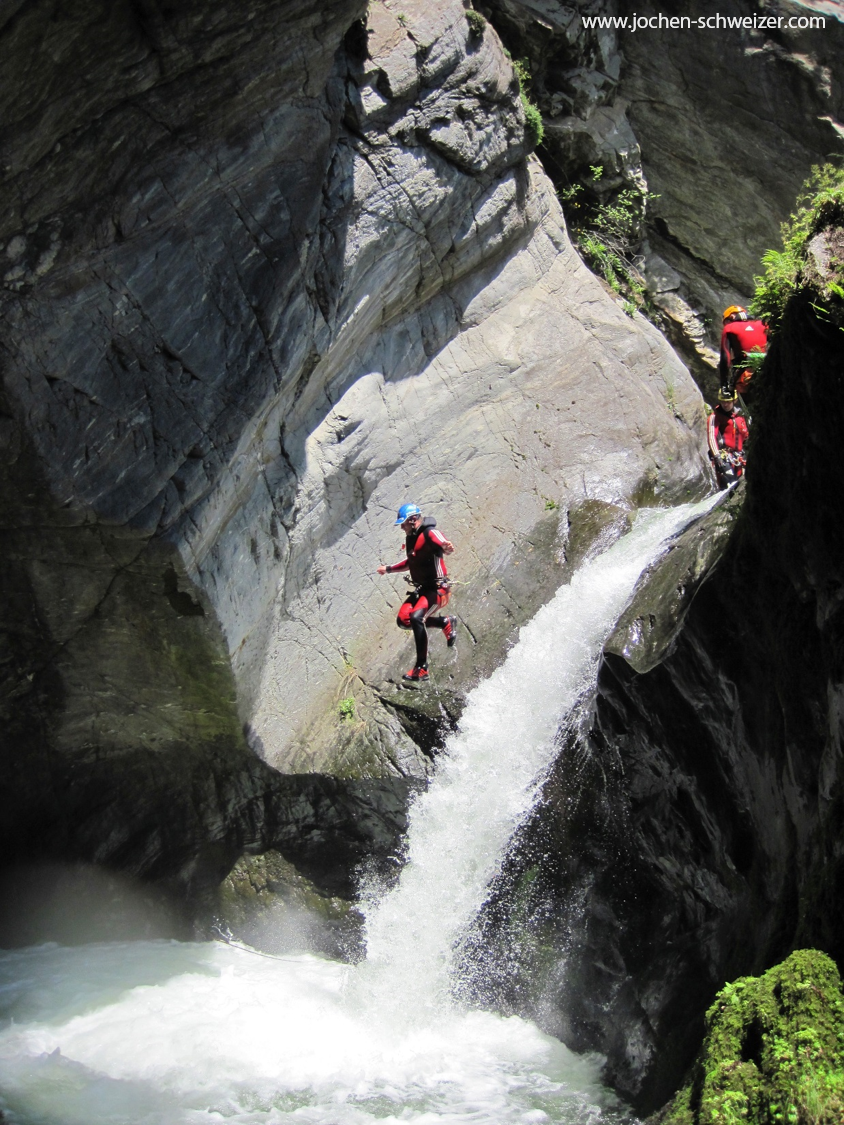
<point>168,1033</point>
<point>493,765</point>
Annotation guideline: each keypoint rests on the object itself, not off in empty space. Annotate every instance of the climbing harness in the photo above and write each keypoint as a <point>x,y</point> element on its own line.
<point>443,591</point>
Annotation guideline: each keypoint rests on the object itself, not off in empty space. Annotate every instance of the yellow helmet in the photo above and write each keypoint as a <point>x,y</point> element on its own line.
<point>735,310</point>
<point>725,395</point>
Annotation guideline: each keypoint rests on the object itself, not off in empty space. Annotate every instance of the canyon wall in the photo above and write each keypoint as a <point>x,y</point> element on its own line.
<point>269,273</point>
<point>691,830</point>
<point>266,274</point>
<point>718,125</point>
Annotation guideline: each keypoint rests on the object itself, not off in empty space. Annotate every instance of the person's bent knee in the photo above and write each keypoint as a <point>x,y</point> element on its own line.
<point>403,618</point>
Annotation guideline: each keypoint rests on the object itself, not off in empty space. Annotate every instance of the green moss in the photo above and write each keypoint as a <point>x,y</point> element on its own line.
<point>773,1052</point>
<point>476,22</point>
<point>533,119</point>
<point>821,199</point>
<point>206,687</point>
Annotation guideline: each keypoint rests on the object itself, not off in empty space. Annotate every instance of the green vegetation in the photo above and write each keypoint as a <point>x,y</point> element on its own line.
<point>821,199</point>
<point>346,707</point>
<point>533,118</point>
<point>476,23</point>
<point>671,398</point>
<point>774,1051</point>
<point>607,236</point>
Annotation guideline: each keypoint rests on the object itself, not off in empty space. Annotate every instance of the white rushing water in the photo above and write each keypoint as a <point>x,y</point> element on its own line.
<point>168,1033</point>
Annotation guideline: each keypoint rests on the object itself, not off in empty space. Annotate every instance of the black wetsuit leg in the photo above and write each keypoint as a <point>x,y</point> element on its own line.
<point>427,601</point>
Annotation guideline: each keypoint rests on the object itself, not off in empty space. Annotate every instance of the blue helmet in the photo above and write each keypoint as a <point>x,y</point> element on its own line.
<point>408,510</point>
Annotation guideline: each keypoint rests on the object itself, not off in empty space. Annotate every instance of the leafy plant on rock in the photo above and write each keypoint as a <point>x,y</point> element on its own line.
<point>821,198</point>
<point>533,118</point>
<point>476,22</point>
<point>608,234</point>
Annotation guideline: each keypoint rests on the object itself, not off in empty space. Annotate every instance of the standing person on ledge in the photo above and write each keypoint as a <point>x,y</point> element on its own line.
<point>726,433</point>
<point>740,338</point>
<point>424,550</point>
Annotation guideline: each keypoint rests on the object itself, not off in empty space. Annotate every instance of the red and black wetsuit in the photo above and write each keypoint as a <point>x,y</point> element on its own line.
<point>738,339</point>
<point>726,433</point>
<point>424,559</point>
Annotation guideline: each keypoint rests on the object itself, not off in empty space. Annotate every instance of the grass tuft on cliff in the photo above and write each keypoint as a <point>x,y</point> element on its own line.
<point>773,1052</point>
<point>608,235</point>
<point>477,24</point>
<point>819,205</point>
<point>533,118</point>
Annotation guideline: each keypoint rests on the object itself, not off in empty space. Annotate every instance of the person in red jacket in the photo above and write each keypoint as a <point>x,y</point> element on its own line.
<point>424,550</point>
<point>726,433</point>
<point>741,337</point>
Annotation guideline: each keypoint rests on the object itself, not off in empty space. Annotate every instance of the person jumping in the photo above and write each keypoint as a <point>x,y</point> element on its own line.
<point>424,550</point>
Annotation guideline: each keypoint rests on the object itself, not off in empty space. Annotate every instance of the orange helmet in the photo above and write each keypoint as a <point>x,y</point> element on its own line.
<point>737,311</point>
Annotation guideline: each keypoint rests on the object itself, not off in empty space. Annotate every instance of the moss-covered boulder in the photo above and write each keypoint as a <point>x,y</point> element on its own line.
<point>773,1052</point>
<point>265,901</point>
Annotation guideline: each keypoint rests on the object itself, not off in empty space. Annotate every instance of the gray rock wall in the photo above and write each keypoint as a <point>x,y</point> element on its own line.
<point>721,125</point>
<point>730,123</point>
<point>156,205</point>
<point>268,275</point>
<point>532,402</point>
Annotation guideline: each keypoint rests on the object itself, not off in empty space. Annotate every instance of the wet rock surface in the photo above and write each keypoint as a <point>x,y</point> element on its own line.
<point>266,903</point>
<point>648,627</point>
<point>691,830</point>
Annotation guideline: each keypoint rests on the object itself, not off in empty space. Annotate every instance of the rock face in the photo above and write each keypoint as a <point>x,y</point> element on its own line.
<point>267,272</point>
<point>720,124</point>
<point>267,902</point>
<point>692,830</point>
<point>726,158</point>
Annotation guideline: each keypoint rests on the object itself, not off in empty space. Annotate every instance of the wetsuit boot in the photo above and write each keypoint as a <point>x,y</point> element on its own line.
<point>416,675</point>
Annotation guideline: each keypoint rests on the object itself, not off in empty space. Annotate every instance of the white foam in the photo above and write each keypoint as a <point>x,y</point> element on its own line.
<point>216,1033</point>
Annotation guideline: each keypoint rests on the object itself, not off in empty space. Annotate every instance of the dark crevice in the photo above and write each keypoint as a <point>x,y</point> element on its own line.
<point>181,601</point>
